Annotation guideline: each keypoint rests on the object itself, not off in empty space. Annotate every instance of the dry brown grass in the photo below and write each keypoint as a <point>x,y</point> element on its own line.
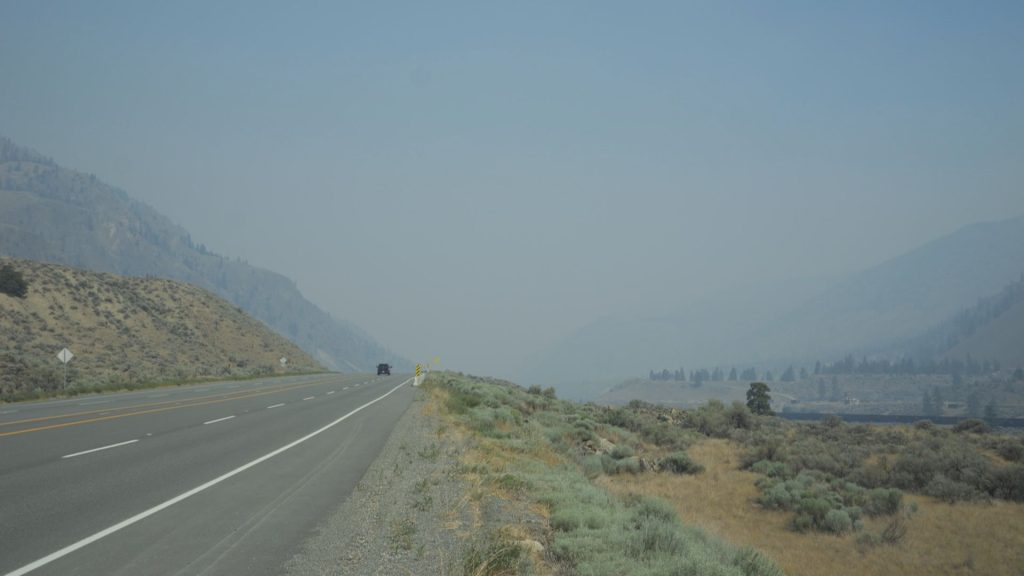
<point>131,330</point>
<point>956,539</point>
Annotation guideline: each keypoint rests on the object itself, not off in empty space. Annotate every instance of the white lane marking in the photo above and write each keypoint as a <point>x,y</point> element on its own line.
<point>104,413</point>
<point>147,513</point>
<point>8,412</point>
<point>308,398</point>
<point>218,420</point>
<point>157,395</point>
<point>94,402</point>
<point>100,448</point>
<point>331,392</point>
<point>345,388</point>
<point>275,406</point>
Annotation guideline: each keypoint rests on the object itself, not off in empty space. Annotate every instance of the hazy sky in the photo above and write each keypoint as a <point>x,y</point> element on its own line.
<point>476,180</point>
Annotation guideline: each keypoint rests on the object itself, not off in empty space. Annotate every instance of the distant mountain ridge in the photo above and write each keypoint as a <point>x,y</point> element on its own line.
<point>877,310</point>
<point>52,214</point>
<point>991,330</point>
<point>127,330</point>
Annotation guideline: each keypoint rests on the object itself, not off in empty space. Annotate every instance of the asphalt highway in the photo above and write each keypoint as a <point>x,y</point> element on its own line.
<point>226,478</point>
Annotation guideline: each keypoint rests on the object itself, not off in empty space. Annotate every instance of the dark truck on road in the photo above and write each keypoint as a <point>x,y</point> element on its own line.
<point>384,369</point>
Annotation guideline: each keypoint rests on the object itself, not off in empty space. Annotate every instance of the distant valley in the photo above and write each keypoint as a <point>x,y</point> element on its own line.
<point>886,310</point>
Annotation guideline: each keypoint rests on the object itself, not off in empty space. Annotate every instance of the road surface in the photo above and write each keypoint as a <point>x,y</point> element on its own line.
<point>225,478</point>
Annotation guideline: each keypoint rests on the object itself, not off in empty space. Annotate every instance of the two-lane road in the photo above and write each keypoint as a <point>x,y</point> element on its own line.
<point>225,478</point>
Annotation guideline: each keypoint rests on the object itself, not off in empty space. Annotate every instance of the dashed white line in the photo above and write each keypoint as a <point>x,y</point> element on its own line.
<point>8,412</point>
<point>275,406</point>
<point>94,402</point>
<point>157,395</point>
<point>202,487</point>
<point>218,420</point>
<point>331,392</point>
<point>100,448</point>
<point>308,398</point>
<point>345,388</point>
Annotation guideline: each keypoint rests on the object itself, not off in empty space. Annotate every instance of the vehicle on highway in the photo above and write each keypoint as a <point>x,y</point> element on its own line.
<point>384,369</point>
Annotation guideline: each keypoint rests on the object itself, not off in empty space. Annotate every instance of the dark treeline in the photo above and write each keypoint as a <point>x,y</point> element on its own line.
<point>909,366</point>
<point>905,366</point>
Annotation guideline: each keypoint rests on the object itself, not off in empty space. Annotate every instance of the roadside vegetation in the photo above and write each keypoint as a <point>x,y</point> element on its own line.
<point>533,446</point>
<point>613,484</point>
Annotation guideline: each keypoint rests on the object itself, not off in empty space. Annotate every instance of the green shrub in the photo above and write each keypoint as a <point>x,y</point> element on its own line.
<point>592,466</point>
<point>972,425</point>
<point>950,490</point>
<point>1012,450</point>
<point>647,507</point>
<point>654,536</point>
<point>1008,483</point>
<point>622,451</point>
<point>770,468</point>
<point>882,501</point>
<point>680,463</point>
<point>837,522</point>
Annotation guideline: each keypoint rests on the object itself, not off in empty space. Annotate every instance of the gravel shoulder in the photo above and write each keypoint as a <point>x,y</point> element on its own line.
<point>410,514</point>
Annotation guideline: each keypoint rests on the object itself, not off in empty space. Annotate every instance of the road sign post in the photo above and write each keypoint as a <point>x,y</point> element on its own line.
<point>65,356</point>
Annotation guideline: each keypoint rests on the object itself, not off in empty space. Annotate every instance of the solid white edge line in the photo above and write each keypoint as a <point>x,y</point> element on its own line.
<point>218,420</point>
<point>100,448</point>
<point>275,406</point>
<point>147,513</point>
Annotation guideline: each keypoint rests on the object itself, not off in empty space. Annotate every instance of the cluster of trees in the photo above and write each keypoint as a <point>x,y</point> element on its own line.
<point>696,376</point>
<point>933,403</point>
<point>12,282</point>
<point>719,375</point>
<point>909,366</point>
<point>906,366</point>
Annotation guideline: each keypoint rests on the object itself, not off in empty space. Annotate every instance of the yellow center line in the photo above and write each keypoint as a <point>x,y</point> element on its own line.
<point>154,410</point>
<point>148,405</point>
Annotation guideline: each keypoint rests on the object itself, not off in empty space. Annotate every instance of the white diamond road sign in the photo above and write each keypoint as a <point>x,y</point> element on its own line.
<point>65,356</point>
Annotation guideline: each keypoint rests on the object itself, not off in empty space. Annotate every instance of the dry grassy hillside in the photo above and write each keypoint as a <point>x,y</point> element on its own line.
<point>127,331</point>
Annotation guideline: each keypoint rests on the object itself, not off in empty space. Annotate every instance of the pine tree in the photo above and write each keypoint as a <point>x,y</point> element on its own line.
<point>758,399</point>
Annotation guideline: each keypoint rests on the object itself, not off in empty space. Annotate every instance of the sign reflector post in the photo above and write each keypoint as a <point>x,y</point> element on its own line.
<point>65,356</point>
